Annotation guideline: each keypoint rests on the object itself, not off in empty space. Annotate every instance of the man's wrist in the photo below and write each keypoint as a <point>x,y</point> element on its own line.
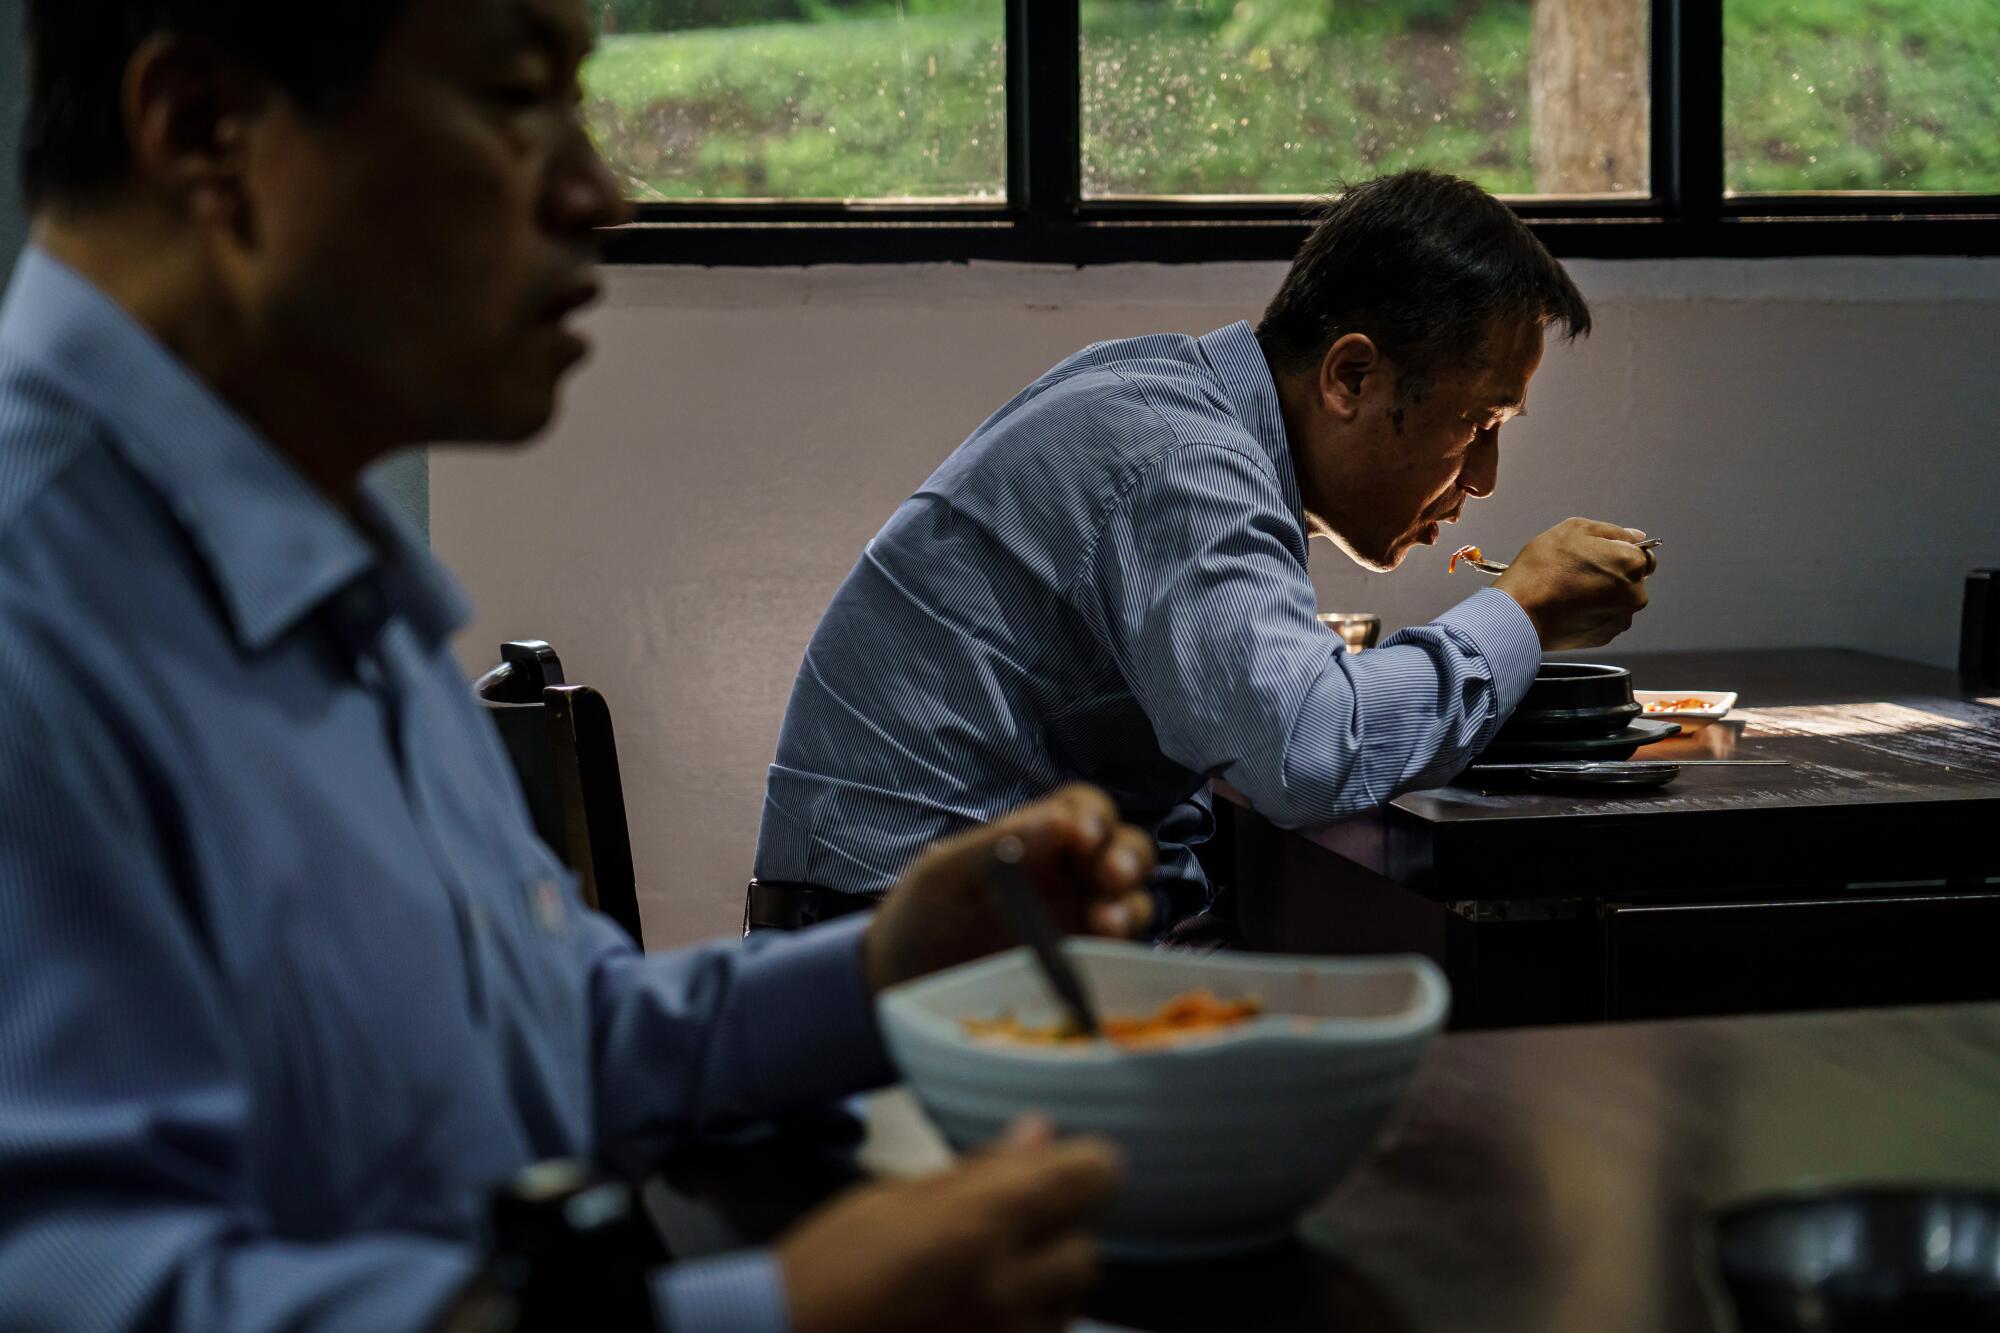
<point>1526,603</point>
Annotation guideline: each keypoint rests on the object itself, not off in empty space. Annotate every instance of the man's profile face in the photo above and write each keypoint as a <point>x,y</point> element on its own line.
<point>1410,463</point>
<point>429,243</point>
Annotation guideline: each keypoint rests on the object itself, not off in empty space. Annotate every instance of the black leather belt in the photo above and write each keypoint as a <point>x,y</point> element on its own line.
<point>774,905</point>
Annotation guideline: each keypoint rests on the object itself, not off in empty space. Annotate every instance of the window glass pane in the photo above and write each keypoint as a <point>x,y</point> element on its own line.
<point>801,99</point>
<point>1862,94</point>
<point>1293,96</point>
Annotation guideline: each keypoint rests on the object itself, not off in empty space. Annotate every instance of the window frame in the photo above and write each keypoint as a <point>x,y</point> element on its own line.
<point>1046,218</point>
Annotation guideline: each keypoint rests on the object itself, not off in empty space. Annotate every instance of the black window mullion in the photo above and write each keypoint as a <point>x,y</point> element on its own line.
<point>1693,191</point>
<point>1660,129</point>
<point>1016,66</point>
<point>1048,85</point>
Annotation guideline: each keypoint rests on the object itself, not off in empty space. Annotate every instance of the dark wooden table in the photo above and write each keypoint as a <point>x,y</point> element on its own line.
<point>1865,872</point>
<point>1538,1181</point>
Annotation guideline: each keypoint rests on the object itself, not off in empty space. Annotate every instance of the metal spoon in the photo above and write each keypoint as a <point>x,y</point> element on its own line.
<point>1017,904</point>
<point>1500,566</point>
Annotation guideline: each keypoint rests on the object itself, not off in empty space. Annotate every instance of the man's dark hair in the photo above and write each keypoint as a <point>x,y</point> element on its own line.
<point>1428,266</point>
<point>73,142</point>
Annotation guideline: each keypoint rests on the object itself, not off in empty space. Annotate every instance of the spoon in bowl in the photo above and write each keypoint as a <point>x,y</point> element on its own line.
<point>1020,908</point>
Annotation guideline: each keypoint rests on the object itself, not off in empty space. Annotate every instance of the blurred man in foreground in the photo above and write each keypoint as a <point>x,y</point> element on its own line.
<point>286,980</point>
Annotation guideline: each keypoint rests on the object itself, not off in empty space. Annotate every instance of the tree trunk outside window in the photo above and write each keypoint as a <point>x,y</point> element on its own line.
<point>1588,94</point>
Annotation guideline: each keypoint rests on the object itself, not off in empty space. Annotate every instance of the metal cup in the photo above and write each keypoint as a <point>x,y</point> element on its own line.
<point>1357,629</point>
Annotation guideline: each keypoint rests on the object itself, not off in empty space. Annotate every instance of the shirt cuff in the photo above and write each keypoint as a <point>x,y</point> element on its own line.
<point>731,1293</point>
<point>1500,632</point>
<point>806,1023</point>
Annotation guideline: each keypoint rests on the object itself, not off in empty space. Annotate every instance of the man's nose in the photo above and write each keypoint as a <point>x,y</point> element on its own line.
<point>583,194</point>
<point>1481,472</point>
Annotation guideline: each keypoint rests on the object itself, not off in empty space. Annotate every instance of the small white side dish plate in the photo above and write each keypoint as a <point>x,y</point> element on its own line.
<point>1715,706</point>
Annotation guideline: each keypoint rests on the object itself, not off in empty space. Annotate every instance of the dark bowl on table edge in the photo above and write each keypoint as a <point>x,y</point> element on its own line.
<point>1861,1259</point>
<point>1572,699</point>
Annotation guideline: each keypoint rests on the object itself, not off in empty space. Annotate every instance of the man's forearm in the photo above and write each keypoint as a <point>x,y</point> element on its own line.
<point>1413,711</point>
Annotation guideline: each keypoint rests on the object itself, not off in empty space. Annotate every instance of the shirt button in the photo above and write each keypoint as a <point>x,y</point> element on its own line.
<point>549,905</point>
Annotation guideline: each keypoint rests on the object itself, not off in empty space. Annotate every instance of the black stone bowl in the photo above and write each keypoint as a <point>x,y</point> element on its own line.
<point>1572,701</point>
<point>1863,1261</point>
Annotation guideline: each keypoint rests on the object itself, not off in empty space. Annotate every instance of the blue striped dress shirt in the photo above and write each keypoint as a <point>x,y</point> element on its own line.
<point>286,980</point>
<point>1108,582</point>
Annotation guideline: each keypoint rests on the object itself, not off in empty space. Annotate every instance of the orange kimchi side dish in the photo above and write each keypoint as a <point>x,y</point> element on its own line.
<point>1462,553</point>
<point>1193,1012</point>
<point>1688,704</point>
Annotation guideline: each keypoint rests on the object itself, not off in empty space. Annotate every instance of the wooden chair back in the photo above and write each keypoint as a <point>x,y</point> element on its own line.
<point>560,741</point>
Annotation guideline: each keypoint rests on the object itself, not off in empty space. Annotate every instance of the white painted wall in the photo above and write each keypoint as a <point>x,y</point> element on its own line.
<point>1815,440</point>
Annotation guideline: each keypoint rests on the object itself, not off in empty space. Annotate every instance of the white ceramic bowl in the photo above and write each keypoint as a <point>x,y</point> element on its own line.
<point>1227,1137</point>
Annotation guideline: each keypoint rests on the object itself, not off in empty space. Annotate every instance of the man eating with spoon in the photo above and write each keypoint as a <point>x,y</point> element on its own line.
<point>1108,579</point>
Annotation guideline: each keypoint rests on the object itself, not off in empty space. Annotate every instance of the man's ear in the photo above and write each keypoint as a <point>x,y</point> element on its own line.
<point>1344,373</point>
<point>188,110</point>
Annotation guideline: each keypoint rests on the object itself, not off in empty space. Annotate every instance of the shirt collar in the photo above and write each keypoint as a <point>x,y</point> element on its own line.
<point>1238,360</point>
<point>276,548</point>
<point>421,587</point>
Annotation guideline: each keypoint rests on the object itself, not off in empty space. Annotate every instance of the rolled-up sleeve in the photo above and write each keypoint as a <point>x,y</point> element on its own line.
<point>1197,589</point>
<point>123,1103</point>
